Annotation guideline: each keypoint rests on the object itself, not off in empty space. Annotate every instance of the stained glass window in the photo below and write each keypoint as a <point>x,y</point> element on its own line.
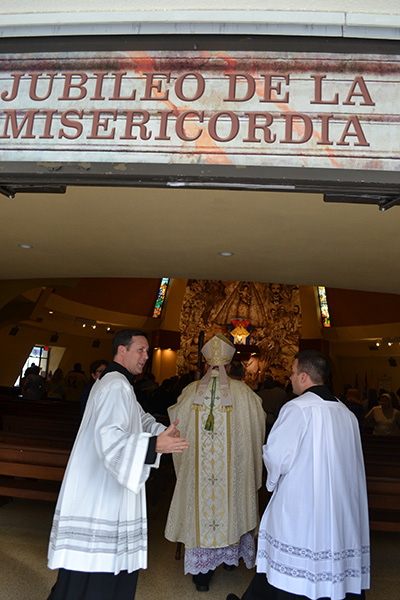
<point>161,297</point>
<point>323,304</point>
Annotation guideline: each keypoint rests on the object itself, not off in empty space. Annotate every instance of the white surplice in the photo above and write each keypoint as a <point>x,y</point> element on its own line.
<point>100,522</point>
<point>314,534</point>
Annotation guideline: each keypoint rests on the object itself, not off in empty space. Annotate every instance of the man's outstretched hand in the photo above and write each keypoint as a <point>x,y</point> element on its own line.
<point>170,440</point>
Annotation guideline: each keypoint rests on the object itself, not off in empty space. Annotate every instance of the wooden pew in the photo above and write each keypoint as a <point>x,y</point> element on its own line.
<point>45,427</point>
<point>382,466</point>
<point>40,419</point>
<point>31,468</point>
<point>36,438</point>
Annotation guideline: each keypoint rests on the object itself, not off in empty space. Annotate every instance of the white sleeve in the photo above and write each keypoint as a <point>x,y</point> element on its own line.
<point>283,443</point>
<point>122,449</point>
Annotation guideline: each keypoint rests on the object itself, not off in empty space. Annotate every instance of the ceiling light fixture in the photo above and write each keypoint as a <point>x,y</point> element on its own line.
<point>225,253</point>
<point>25,246</point>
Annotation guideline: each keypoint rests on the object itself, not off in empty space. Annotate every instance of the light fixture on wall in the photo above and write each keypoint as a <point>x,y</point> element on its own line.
<point>54,337</point>
<point>14,331</point>
<point>96,344</point>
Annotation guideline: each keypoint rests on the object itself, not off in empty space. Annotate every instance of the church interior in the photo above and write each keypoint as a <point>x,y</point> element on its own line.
<point>78,266</point>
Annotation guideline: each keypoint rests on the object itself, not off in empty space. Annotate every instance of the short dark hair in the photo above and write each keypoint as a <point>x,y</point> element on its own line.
<point>315,364</point>
<point>96,364</point>
<point>237,369</point>
<point>124,338</point>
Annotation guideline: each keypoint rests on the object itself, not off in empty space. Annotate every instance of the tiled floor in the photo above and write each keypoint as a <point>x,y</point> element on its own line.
<point>24,532</point>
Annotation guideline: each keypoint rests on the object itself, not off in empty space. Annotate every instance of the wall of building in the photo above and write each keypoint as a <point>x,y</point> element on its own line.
<point>163,364</point>
<point>350,6</point>
<point>14,351</point>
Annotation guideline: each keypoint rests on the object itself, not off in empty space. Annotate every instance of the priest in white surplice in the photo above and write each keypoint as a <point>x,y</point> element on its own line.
<point>314,535</point>
<point>214,509</point>
<point>99,535</point>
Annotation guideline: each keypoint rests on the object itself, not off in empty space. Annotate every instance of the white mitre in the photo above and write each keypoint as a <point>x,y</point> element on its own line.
<point>218,352</point>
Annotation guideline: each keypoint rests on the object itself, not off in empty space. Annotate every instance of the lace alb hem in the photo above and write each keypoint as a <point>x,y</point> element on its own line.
<point>202,560</point>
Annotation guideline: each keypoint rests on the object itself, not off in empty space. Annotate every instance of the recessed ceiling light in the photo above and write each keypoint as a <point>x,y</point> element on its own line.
<point>25,246</point>
<point>225,253</point>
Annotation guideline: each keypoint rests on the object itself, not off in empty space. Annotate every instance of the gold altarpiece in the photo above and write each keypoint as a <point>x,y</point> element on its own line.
<point>274,313</point>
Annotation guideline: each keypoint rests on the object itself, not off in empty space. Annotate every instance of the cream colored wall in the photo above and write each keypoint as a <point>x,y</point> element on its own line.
<point>349,6</point>
<point>375,368</point>
<point>164,364</point>
<point>310,316</point>
<point>14,350</point>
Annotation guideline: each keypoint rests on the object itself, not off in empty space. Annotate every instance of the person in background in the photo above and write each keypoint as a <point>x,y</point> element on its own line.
<point>55,388</point>
<point>32,384</point>
<point>273,397</point>
<point>237,370</point>
<point>313,540</point>
<point>214,509</point>
<point>354,403</point>
<point>96,369</point>
<point>75,381</point>
<point>384,419</point>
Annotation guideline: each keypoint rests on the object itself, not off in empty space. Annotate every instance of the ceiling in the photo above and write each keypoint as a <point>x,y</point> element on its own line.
<point>281,237</point>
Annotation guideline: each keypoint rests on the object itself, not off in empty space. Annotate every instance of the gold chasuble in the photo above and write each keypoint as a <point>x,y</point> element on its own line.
<point>215,498</point>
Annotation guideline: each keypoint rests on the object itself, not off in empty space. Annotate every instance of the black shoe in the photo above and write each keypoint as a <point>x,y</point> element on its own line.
<point>229,568</point>
<point>232,597</point>
<point>202,588</point>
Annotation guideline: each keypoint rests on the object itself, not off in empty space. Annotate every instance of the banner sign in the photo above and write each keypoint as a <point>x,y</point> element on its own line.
<point>288,109</point>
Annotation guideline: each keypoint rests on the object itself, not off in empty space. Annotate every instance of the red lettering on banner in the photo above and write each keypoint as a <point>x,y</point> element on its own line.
<point>251,87</point>
<point>364,93</point>
<point>47,125</point>
<point>7,96</point>
<point>358,132</point>
<point>318,92</point>
<point>67,122</point>
<point>33,87</point>
<point>265,127</point>
<point>212,126</point>
<point>98,95</point>
<point>325,118</point>
<point>11,118</point>
<point>269,88</point>
<point>141,124</point>
<point>200,87</point>
<point>180,132</point>
<point>162,135</point>
<point>155,84</point>
<point>102,124</point>
<point>119,75</point>
<point>69,85</point>
<point>308,128</point>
